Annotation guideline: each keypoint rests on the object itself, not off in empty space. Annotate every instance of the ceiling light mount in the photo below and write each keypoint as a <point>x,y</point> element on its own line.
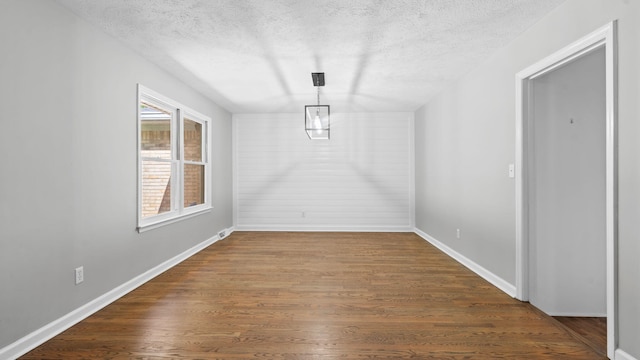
<point>316,117</point>
<point>318,79</point>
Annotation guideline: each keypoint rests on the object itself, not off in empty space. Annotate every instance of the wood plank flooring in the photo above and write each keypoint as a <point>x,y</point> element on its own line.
<point>590,330</point>
<point>274,295</point>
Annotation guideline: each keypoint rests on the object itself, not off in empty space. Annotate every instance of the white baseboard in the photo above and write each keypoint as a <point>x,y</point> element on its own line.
<point>316,228</point>
<point>41,335</point>
<point>470,264</point>
<point>621,355</point>
<point>574,314</point>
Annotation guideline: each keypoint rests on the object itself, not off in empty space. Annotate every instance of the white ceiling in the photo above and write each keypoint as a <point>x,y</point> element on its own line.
<point>257,56</point>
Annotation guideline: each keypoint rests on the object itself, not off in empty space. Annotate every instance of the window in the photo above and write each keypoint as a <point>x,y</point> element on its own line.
<point>173,152</point>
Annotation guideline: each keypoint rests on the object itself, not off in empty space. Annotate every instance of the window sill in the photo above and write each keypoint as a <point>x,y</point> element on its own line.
<point>160,223</point>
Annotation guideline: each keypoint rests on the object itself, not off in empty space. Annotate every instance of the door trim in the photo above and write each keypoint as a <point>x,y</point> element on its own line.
<point>605,37</point>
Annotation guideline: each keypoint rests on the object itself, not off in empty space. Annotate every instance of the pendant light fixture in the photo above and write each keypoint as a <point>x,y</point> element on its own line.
<point>316,117</point>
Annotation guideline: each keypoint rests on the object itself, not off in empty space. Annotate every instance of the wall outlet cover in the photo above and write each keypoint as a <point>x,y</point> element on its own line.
<point>79,272</point>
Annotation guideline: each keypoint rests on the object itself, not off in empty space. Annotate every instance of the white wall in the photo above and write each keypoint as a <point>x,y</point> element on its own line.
<point>68,176</point>
<point>361,179</point>
<point>567,199</point>
<point>465,139</point>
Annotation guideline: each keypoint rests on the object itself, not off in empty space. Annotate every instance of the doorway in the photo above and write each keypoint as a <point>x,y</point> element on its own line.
<point>566,176</point>
<point>566,191</point>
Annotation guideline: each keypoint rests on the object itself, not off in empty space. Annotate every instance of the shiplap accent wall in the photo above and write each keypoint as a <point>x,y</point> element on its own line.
<point>360,180</point>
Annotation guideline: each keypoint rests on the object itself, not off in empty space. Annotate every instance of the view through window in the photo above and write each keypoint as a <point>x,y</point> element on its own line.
<point>173,156</point>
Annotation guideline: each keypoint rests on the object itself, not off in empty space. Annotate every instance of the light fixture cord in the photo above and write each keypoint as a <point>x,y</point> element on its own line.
<point>318,107</point>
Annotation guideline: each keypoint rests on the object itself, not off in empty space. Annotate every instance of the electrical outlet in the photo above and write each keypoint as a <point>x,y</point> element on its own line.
<point>457,233</point>
<point>79,275</point>
<point>222,234</point>
<point>304,215</point>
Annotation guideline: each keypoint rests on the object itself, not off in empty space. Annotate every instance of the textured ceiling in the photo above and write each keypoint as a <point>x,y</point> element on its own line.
<point>255,56</point>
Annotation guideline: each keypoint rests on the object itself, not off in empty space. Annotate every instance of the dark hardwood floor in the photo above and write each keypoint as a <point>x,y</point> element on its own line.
<point>317,296</point>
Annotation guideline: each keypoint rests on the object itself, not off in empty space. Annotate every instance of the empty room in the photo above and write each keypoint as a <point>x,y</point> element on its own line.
<point>325,179</point>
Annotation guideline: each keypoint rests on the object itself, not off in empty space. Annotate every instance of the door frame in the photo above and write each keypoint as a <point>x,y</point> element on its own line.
<point>605,37</point>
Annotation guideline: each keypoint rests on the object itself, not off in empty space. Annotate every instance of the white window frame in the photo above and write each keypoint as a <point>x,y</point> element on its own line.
<point>179,113</point>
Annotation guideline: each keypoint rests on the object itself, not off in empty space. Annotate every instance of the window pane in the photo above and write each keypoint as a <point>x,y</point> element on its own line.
<point>192,140</point>
<point>156,187</point>
<point>193,185</point>
<point>156,132</point>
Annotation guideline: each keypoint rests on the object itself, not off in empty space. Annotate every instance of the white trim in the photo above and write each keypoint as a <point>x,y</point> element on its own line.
<point>494,279</point>
<point>161,223</point>
<point>622,355</point>
<point>329,228</point>
<point>605,37</point>
<point>41,335</point>
<point>178,113</point>
<point>234,170</point>
<point>611,58</point>
<point>571,314</point>
<point>412,169</point>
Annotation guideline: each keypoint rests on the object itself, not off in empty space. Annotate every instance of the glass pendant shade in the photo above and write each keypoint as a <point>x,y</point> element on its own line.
<point>316,121</point>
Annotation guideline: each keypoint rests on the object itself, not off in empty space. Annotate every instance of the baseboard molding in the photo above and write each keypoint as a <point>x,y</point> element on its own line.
<point>621,355</point>
<point>38,337</point>
<point>495,280</point>
<point>578,314</point>
<point>313,228</point>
